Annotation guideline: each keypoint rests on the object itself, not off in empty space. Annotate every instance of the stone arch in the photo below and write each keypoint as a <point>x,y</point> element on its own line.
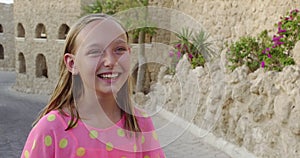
<point>40,31</point>
<point>20,30</point>
<point>22,63</point>
<point>1,52</point>
<point>1,29</point>
<point>41,69</point>
<point>63,31</point>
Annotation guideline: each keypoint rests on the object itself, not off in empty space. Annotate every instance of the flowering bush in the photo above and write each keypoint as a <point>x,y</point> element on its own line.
<point>195,46</point>
<point>270,53</point>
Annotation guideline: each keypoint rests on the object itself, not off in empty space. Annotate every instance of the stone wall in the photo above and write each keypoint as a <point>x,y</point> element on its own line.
<point>7,46</point>
<point>156,56</point>
<point>259,111</point>
<point>227,20</point>
<point>224,20</point>
<point>40,55</point>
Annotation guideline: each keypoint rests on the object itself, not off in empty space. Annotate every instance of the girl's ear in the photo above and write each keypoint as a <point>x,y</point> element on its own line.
<point>129,49</point>
<point>69,60</point>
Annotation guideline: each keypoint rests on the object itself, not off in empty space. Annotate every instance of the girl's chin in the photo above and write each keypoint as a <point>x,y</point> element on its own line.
<point>107,90</point>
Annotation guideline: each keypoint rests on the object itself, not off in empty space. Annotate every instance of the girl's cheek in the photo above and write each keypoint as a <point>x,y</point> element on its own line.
<point>124,61</point>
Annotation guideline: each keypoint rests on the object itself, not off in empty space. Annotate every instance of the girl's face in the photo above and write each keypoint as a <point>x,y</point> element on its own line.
<point>102,57</point>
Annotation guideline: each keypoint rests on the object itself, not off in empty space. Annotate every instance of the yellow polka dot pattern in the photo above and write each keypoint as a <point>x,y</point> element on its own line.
<point>63,143</point>
<point>143,139</point>
<point>33,145</point>
<point>121,132</point>
<point>109,146</point>
<point>93,134</point>
<point>80,151</point>
<point>26,154</point>
<point>154,135</point>
<point>48,140</point>
<point>134,148</point>
<point>145,114</point>
<point>51,117</point>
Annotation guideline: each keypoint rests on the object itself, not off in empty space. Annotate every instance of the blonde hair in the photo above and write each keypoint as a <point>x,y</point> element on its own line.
<point>63,94</point>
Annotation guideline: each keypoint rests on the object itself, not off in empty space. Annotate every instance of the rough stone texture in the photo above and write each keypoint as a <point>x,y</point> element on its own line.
<point>296,55</point>
<point>7,37</point>
<point>227,20</point>
<point>156,56</point>
<point>259,110</point>
<point>52,15</point>
<point>224,20</point>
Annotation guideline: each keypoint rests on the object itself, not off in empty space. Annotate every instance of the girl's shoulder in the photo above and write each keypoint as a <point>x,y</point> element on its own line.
<point>144,120</point>
<point>52,121</point>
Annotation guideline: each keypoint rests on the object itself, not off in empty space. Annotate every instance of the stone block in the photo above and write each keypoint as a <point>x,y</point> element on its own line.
<point>296,53</point>
<point>282,106</point>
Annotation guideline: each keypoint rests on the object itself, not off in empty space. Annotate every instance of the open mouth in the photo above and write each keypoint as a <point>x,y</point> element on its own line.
<point>109,76</point>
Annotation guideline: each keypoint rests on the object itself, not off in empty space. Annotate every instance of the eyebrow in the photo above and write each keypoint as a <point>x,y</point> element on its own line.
<point>119,41</point>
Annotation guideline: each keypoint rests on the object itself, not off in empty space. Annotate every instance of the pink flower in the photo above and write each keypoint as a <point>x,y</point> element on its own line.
<point>276,38</point>
<point>190,56</point>
<point>185,48</point>
<point>266,50</point>
<point>280,31</point>
<point>263,64</point>
<point>171,54</point>
<point>178,55</point>
<point>276,41</point>
<point>294,11</point>
<point>178,46</point>
<point>287,18</point>
<point>269,55</point>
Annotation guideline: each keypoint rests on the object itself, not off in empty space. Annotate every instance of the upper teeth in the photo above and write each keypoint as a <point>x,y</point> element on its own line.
<point>109,75</point>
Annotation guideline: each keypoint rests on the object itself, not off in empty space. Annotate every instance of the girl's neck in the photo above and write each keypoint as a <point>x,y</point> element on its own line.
<point>97,109</point>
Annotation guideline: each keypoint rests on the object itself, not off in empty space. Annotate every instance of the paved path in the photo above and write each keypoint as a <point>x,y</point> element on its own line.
<point>18,110</point>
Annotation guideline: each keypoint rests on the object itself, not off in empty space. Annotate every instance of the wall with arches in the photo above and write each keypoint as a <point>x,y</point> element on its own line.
<point>44,34</point>
<point>7,56</point>
<point>39,40</point>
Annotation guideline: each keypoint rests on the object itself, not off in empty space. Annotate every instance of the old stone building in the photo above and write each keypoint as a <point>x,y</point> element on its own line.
<point>40,28</point>
<point>252,110</point>
<point>7,47</point>
<point>40,31</point>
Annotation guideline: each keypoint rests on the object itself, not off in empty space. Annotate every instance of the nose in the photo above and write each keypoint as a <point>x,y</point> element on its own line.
<point>109,59</point>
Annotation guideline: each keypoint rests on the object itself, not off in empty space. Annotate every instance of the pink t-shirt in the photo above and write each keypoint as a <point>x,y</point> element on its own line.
<point>48,139</point>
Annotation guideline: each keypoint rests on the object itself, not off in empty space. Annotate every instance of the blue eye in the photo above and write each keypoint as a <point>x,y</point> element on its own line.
<point>95,52</point>
<point>121,50</point>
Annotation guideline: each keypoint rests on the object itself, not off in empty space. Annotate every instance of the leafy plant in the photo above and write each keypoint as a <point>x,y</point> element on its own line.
<point>109,7</point>
<point>194,45</point>
<point>266,52</point>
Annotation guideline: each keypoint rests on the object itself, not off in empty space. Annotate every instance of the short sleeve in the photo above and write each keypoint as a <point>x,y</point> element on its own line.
<point>40,141</point>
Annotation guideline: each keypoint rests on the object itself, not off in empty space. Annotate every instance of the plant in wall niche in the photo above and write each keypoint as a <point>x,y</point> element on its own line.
<point>194,45</point>
<point>270,53</point>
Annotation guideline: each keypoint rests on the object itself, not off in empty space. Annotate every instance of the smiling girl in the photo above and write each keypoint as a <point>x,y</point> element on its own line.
<point>90,112</point>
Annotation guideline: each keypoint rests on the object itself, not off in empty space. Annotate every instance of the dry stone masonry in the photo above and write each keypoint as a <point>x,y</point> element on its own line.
<point>259,111</point>
<point>7,43</point>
